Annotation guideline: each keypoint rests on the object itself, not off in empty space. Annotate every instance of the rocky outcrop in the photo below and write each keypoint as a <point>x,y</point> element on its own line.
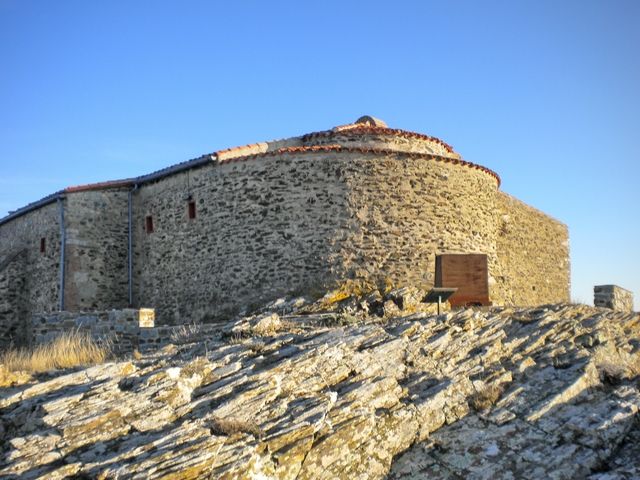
<point>297,393</point>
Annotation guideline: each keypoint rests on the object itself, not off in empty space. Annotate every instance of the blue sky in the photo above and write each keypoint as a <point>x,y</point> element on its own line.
<point>546,93</point>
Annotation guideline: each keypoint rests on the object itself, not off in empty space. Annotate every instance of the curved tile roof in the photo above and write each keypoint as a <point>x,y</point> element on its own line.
<point>373,151</point>
<point>354,129</point>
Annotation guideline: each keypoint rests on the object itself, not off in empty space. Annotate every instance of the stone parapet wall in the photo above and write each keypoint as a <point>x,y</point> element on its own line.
<point>614,297</point>
<point>120,326</point>
<point>533,252</point>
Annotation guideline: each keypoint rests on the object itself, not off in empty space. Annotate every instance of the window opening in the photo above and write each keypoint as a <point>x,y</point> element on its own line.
<point>43,245</point>
<point>192,209</point>
<point>149,224</point>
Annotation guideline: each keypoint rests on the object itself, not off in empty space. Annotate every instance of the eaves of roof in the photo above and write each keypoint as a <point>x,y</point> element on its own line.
<point>363,150</point>
<point>32,206</point>
<point>129,182</point>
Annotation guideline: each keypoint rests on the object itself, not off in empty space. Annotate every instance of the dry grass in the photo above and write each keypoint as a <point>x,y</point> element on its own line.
<point>486,397</point>
<point>237,338</point>
<point>340,319</point>
<point>188,333</point>
<point>8,378</point>
<point>230,426</point>
<point>257,347</point>
<point>70,349</point>
<point>350,288</point>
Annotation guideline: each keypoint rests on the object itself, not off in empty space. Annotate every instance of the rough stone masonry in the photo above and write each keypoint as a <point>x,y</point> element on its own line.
<point>354,207</point>
<point>614,297</point>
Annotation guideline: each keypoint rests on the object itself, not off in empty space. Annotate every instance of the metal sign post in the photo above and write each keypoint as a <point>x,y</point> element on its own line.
<point>439,295</point>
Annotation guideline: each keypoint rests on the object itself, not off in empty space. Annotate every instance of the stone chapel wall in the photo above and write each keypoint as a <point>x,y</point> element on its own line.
<point>29,269</point>
<point>303,222</point>
<point>96,249</point>
<point>533,251</point>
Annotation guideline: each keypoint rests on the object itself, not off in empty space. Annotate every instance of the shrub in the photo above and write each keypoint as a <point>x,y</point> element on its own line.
<point>339,319</point>
<point>350,288</point>
<point>229,426</point>
<point>188,333</point>
<point>486,397</point>
<point>71,349</point>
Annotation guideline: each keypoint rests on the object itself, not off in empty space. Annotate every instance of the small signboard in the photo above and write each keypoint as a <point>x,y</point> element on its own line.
<point>439,295</point>
<point>146,317</point>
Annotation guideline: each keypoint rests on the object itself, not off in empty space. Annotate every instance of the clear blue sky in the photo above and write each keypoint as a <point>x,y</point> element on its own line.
<point>546,93</point>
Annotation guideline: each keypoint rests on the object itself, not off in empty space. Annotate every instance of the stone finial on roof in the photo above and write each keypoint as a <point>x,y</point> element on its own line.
<point>370,121</point>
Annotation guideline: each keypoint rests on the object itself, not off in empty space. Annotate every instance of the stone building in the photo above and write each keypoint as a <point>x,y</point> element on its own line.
<point>360,204</point>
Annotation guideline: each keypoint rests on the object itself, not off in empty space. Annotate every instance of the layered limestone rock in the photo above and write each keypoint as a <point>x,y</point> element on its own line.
<point>361,391</point>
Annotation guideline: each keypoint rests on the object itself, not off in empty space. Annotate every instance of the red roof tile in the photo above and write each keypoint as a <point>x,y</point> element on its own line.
<point>374,151</point>
<point>363,130</point>
<point>100,185</point>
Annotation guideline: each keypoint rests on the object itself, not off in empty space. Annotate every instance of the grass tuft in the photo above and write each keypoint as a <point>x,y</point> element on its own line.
<point>230,426</point>
<point>188,333</point>
<point>71,349</point>
<point>486,397</point>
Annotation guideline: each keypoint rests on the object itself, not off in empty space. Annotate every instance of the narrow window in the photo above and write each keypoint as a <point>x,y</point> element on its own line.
<point>43,245</point>
<point>192,209</point>
<point>149,224</point>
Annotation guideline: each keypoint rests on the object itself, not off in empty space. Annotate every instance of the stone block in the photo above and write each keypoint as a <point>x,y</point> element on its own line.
<point>149,333</point>
<point>613,297</point>
<point>146,317</point>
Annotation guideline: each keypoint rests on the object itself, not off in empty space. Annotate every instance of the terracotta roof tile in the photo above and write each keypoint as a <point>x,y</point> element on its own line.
<point>374,151</point>
<point>363,130</point>
<point>100,185</point>
<point>255,150</point>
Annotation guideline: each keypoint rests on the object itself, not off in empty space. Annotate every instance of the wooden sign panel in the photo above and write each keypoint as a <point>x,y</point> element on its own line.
<point>466,272</point>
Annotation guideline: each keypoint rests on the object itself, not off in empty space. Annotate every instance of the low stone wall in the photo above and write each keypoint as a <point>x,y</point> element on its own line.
<point>120,327</point>
<point>614,297</point>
